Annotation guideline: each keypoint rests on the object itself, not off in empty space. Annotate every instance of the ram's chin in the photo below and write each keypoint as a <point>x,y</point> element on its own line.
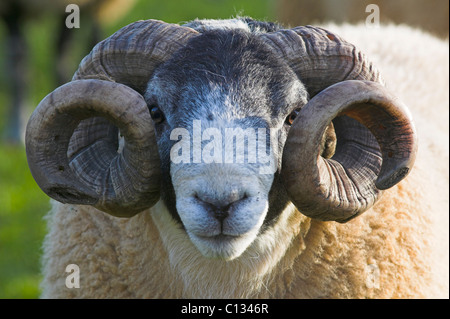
<point>222,247</point>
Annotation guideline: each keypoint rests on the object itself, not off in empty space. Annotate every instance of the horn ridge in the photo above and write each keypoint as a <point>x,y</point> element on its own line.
<point>72,136</point>
<point>321,58</point>
<point>131,54</point>
<point>351,181</point>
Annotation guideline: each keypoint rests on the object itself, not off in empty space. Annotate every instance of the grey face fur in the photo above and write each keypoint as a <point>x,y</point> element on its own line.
<point>231,82</point>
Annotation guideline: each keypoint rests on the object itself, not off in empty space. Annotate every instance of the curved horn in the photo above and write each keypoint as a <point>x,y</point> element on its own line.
<point>76,125</point>
<point>99,176</point>
<point>346,183</point>
<point>321,58</point>
<point>349,183</point>
<point>130,55</point>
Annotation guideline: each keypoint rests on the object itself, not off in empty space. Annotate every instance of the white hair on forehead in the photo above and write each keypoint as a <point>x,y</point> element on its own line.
<point>226,24</point>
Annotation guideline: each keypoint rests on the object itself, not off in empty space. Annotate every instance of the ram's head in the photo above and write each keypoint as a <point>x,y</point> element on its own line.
<point>225,126</point>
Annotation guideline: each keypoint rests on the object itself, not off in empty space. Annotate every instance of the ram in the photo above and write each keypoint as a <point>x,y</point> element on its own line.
<point>152,201</point>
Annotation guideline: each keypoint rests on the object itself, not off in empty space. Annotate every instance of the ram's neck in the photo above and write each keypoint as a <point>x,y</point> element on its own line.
<point>250,275</point>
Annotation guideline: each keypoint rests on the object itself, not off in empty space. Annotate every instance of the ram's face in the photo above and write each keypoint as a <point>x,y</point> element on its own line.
<point>220,107</point>
<point>206,116</point>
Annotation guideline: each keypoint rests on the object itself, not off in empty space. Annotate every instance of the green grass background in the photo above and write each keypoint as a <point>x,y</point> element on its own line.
<point>22,204</point>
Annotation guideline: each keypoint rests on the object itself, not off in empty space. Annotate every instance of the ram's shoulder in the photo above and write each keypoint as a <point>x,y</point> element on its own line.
<point>102,247</point>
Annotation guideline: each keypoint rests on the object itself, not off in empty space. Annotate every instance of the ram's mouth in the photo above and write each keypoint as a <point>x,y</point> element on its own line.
<point>221,246</point>
<point>222,216</point>
<point>218,238</point>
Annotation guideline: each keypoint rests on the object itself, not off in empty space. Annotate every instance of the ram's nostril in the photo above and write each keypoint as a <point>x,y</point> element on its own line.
<point>220,206</point>
<point>220,214</point>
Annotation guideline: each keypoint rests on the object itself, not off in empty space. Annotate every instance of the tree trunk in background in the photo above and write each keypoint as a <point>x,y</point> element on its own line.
<point>16,69</point>
<point>429,15</point>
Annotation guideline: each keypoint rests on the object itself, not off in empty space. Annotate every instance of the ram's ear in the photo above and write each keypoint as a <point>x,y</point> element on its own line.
<point>328,143</point>
<point>376,148</point>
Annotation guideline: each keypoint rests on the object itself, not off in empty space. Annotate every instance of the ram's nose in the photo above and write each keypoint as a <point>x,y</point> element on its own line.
<point>219,206</point>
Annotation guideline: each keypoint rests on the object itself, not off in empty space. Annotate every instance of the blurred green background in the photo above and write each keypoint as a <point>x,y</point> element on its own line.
<point>22,204</point>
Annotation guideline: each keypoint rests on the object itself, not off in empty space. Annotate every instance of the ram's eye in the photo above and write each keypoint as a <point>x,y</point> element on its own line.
<point>156,114</point>
<point>291,117</point>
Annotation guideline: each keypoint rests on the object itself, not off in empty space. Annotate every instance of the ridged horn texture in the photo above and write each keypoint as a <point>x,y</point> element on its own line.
<point>321,58</point>
<point>72,136</point>
<point>348,184</point>
<point>376,139</point>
